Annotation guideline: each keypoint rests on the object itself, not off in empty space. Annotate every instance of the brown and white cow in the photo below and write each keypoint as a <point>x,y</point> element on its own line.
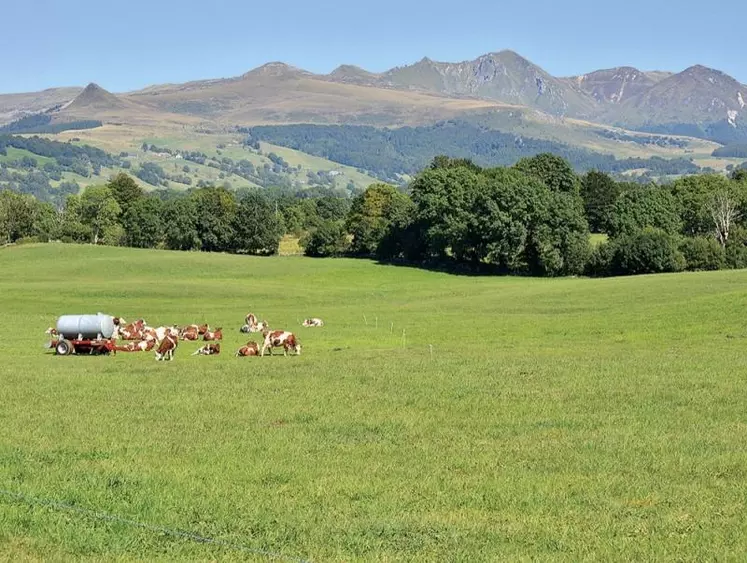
<point>142,346</point>
<point>251,349</point>
<point>208,350</point>
<point>51,331</point>
<point>158,334</point>
<point>257,327</point>
<point>191,332</point>
<point>216,334</point>
<point>167,348</point>
<point>132,331</point>
<point>313,322</point>
<point>278,339</point>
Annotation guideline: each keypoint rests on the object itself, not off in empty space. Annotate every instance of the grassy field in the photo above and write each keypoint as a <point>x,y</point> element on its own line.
<point>567,419</point>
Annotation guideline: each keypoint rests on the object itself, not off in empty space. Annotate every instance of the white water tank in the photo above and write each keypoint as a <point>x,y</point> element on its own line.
<point>87,327</point>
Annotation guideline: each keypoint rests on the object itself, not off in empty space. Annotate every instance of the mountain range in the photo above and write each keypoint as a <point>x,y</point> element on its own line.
<point>698,101</point>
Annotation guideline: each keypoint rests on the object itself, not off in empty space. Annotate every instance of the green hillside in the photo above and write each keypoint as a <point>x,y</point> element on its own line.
<point>434,417</point>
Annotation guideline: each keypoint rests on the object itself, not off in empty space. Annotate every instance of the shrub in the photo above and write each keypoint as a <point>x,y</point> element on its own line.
<point>736,249</point>
<point>647,251</point>
<point>600,260</point>
<point>329,239</point>
<point>703,253</point>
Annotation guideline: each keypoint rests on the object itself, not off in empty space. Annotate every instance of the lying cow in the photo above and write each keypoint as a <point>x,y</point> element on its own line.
<point>313,322</point>
<point>131,331</point>
<point>166,348</point>
<point>258,327</point>
<point>191,332</point>
<point>142,346</point>
<point>208,350</point>
<point>280,338</point>
<point>251,349</point>
<point>216,334</point>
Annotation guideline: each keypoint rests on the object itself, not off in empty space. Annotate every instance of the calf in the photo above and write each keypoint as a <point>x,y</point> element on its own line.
<point>216,334</point>
<point>251,349</point>
<point>208,350</point>
<point>313,322</point>
<point>166,348</point>
<point>280,338</point>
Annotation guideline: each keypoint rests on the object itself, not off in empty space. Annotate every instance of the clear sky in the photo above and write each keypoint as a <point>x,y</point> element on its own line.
<point>126,45</point>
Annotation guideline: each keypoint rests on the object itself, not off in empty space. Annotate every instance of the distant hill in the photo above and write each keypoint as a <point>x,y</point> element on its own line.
<point>95,98</point>
<point>16,106</point>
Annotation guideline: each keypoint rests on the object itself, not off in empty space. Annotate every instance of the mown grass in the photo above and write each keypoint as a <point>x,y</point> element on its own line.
<point>567,419</point>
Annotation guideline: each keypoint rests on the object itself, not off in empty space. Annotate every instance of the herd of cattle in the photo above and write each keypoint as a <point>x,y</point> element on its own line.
<point>165,339</point>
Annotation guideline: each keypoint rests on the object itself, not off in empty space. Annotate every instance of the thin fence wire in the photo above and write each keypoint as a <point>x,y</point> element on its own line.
<point>104,516</point>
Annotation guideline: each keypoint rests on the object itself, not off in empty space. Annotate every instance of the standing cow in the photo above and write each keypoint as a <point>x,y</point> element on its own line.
<point>166,348</point>
<point>280,338</point>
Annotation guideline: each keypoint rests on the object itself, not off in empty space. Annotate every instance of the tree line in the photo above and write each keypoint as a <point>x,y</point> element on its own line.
<point>390,153</point>
<point>536,218</point>
<point>532,218</point>
<point>212,219</point>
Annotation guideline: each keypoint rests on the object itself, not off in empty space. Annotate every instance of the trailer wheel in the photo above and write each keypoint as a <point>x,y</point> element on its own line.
<point>64,348</point>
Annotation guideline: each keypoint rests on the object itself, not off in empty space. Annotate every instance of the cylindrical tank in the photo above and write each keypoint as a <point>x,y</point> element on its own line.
<point>87,327</point>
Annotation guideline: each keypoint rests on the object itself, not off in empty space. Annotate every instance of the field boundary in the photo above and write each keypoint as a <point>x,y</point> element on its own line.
<point>61,506</point>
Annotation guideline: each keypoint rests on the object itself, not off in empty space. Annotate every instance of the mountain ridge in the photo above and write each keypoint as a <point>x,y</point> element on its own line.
<point>700,99</point>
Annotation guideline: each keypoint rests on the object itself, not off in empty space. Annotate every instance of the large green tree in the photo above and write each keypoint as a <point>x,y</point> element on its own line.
<point>695,196</point>
<point>17,215</point>
<point>179,221</point>
<point>444,198</point>
<point>645,206</point>
<point>257,228</point>
<point>599,192</point>
<point>371,216</point>
<point>142,223</point>
<point>520,225</point>
<point>552,170</point>
<point>216,210</point>
<point>125,190</point>
<point>328,239</point>
<point>100,211</point>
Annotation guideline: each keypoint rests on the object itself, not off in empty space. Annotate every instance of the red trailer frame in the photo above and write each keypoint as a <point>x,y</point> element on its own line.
<point>63,347</point>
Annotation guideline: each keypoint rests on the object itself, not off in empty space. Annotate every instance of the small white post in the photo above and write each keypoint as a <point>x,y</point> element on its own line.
<point>365,320</point>
<point>431,347</point>
<point>391,328</point>
<point>377,321</point>
<point>404,340</point>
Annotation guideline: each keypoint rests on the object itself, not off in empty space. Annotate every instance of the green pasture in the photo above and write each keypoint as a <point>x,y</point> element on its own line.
<point>434,417</point>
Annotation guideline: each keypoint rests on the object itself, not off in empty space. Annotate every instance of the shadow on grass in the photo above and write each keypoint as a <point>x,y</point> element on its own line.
<point>451,267</point>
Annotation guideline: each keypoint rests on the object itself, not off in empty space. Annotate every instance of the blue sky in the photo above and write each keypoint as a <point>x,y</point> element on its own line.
<point>131,44</point>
